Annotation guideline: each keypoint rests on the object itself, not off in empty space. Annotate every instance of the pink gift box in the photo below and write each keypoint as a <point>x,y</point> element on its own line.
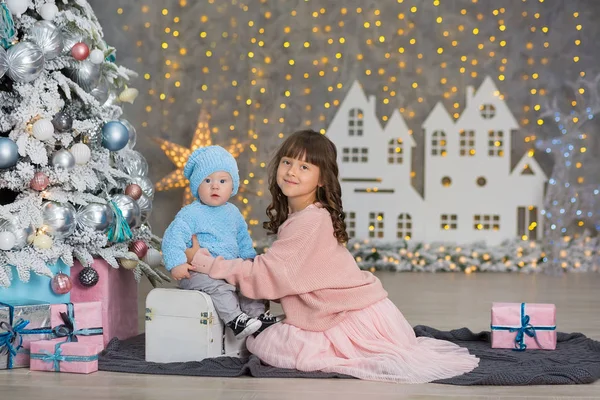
<point>117,290</point>
<point>523,326</point>
<point>60,356</point>
<point>81,322</point>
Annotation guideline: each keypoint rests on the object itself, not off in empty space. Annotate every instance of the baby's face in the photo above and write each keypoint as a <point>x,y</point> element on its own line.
<point>216,189</point>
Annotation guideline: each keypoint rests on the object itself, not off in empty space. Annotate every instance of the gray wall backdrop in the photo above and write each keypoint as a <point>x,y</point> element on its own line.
<point>262,68</point>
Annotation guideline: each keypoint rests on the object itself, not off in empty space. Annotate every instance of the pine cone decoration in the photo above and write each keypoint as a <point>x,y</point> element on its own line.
<point>88,277</point>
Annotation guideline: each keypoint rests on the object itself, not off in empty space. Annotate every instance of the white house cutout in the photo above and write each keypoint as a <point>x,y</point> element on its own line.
<point>470,192</point>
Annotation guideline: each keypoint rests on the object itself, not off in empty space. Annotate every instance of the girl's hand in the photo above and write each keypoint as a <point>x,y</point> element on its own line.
<point>191,252</point>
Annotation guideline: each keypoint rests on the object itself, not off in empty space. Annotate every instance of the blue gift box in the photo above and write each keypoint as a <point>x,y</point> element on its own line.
<point>37,290</point>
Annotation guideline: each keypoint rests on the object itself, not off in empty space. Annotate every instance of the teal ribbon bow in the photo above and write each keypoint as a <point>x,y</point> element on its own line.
<point>119,231</point>
<point>12,339</point>
<point>7,26</point>
<point>57,357</point>
<point>69,330</point>
<point>525,329</point>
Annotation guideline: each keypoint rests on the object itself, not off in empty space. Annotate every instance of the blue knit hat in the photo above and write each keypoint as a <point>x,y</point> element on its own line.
<point>207,160</point>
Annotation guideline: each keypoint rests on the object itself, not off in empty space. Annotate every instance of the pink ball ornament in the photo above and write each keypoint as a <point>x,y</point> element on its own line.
<point>134,191</point>
<point>39,181</point>
<point>61,283</point>
<point>139,248</point>
<point>80,51</point>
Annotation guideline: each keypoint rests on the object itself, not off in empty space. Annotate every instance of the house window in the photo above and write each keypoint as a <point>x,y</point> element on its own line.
<point>438,143</point>
<point>495,143</point>
<point>486,222</point>
<point>404,226</point>
<point>446,181</point>
<point>467,143</point>
<point>487,111</point>
<point>376,225</point>
<point>395,155</point>
<point>351,224</point>
<point>527,222</point>
<point>355,122</point>
<point>448,221</point>
<point>355,154</point>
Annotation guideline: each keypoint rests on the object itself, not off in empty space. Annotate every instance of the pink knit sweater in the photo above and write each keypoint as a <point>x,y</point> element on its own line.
<point>315,278</point>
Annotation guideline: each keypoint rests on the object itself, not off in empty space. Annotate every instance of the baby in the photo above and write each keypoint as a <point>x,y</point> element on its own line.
<point>220,228</point>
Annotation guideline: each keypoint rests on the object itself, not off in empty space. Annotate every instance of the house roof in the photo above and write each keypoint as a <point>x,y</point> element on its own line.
<point>531,162</point>
<point>438,117</point>
<point>396,127</point>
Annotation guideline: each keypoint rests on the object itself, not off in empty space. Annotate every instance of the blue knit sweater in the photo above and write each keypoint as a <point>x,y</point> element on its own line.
<point>221,230</point>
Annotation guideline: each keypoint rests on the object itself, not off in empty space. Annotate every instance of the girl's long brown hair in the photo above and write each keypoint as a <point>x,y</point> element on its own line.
<point>320,151</point>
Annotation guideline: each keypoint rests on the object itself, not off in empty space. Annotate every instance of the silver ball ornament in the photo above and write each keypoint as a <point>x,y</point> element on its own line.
<point>153,257</point>
<point>25,62</point>
<point>132,133</point>
<point>63,159</point>
<point>3,61</point>
<point>145,204</point>
<point>100,92</point>
<point>133,163</point>
<point>129,208</point>
<point>86,74</point>
<point>71,38</point>
<point>59,218</point>
<point>9,153</point>
<point>114,135</point>
<point>46,35</point>
<point>96,216</point>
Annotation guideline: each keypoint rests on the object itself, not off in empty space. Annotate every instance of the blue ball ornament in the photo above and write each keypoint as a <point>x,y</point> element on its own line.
<point>115,135</point>
<point>9,153</point>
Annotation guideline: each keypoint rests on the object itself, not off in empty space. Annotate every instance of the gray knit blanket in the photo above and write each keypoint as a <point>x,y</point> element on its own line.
<point>576,360</point>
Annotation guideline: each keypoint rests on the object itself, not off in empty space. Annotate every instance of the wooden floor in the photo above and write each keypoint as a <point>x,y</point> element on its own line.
<point>444,301</point>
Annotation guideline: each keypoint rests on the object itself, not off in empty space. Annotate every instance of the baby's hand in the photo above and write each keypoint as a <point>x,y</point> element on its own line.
<point>182,271</point>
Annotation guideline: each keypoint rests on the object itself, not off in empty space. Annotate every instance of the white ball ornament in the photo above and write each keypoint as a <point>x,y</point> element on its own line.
<point>128,263</point>
<point>42,241</point>
<point>96,56</point>
<point>48,11</point>
<point>153,257</point>
<point>81,153</point>
<point>7,240</point>
<point>17,7</point>
<point>43,129</point>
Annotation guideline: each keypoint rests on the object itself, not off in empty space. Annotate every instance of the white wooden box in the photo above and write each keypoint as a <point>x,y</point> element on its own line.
<point>182,325</point>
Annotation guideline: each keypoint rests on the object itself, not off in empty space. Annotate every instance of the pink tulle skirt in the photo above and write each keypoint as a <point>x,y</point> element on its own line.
<point>376,343</point>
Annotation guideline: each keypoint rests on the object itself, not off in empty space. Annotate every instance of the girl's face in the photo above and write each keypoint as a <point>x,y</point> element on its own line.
<point>298,180</point>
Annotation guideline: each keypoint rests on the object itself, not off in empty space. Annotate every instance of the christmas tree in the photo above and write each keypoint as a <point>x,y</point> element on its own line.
<point>72,187</point>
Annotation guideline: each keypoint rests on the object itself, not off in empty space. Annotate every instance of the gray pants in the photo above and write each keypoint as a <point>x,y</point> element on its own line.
<point>228,303</point>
